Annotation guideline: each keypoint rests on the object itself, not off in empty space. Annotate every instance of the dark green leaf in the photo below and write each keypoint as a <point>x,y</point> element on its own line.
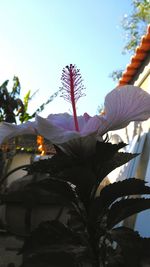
<point>127,187</point>
<point>129,245</point>
<point>116,190</point>
<point>103,154</point>
<point>125,236</point>
<point>116,161</point>
<point>65,168</point>
<point>57,258</point>
<point>116,75</point>
<point>135,249</point>
<point>16,87</point>
<point>58,244</point>
<point>105,151</point>
<point>122,209</point>
<point>4,85</point>
<point>54,185</point>
<point>55,165</point>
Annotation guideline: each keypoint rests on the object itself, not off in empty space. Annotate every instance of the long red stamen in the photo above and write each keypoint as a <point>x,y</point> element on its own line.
<point>73,100</point>
<point>72,88</point>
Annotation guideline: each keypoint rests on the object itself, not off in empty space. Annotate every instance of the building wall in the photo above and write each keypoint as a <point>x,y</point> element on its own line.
<point>142,74</point>
<point>19,159</point>
<point>140,221</point>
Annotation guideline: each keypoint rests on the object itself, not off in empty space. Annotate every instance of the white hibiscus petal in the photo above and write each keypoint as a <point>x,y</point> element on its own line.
<point>92,126</point>
<point>8,130</point>
<point>123,105</point>
<point>55,134</point>
<point>66,121</point>
<point>62,120</point>
<point>82,121</point>
<point>86,116</point>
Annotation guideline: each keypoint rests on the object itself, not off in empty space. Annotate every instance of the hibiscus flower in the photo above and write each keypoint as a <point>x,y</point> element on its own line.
<point>122,105</point>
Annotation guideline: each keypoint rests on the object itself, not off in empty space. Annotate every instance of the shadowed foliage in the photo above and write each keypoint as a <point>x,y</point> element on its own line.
<point>91,232</point>
<point>13,109</point>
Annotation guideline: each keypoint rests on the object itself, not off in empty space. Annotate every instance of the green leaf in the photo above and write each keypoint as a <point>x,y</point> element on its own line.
<point>125,237</point>
<point>134,248</point>
<point>4,85</point>
<point>16,87</point>
<point>116,190</point>
<point>65,168</point>
<point>57,258</point>
<point>116,161</point>
<point>105,151</point>
<point>116,75</point>
<point>130,245</point>
<point>119,159</point>
<point>60,187</point>
<point>119,189</point>
<point>55,244</point>
<point>26,100</point>
<point>122,209</point>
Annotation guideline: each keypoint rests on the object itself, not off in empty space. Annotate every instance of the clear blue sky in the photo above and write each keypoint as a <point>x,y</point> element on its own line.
<point>40,37</point>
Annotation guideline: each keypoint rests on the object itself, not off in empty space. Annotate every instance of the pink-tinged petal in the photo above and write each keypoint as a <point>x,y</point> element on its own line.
<point>62,120</point>
<point>86,116</point>
<point>55,134</point>
<point>123,105</point>
<point>92,126</point>
<point>8,130</point>
<point>82,121</point>
<point>66,121</point>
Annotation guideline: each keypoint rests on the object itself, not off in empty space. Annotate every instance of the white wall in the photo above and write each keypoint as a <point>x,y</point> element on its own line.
<point>18,160</point>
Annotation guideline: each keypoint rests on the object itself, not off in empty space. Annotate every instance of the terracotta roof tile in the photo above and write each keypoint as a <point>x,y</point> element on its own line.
<point>136,60</point>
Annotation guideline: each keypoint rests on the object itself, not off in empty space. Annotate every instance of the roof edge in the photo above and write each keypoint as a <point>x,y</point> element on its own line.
<point>136,60</point>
